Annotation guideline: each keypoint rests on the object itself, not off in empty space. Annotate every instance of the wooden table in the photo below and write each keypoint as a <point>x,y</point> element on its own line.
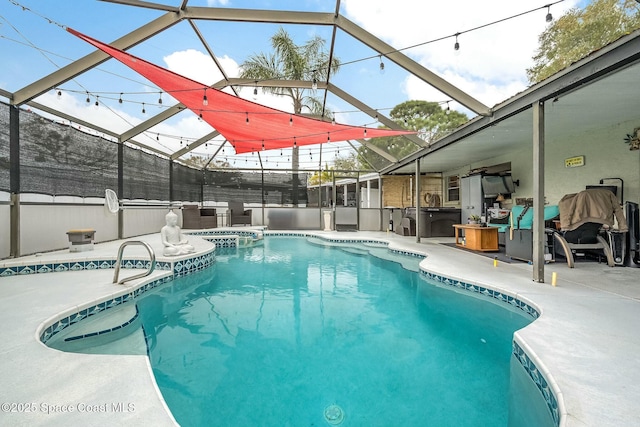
<point>477,238</point>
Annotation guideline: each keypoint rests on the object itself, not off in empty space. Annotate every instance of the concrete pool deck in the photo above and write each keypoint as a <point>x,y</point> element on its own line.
<point>585,341</point>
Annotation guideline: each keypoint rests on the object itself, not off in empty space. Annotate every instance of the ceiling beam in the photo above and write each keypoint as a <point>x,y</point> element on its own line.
<point>412,66</point>
<point>145,4</point>
<point>157,119</point>
<point>211,54</point>
<point>373,113</point>
<point>195,144</point>
<point>257,15</point>
<point>81,65</point>
<point>378,150</point>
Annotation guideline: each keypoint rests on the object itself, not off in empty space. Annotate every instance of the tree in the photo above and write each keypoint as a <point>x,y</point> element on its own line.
<point>428,119</point>
<point>200,162</point>
<point>580,32</point>
<point>292,62</point>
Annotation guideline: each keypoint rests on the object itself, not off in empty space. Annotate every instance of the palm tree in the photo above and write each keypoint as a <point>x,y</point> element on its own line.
<point>289,61</point>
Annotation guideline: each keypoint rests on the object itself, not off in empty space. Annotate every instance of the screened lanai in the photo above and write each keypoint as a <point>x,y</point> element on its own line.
<point>76,126</point>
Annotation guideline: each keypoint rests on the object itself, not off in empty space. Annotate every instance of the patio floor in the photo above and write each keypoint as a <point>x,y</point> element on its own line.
<point>585,340</point>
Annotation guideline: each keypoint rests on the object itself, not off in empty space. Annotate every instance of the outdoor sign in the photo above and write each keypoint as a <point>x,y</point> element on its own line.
<point>574,162</point>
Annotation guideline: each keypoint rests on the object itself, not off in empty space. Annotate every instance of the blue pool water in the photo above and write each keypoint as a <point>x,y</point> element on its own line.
<point>275,335</point>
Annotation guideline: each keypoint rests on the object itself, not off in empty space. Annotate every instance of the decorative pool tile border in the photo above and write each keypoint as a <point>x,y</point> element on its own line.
<point>96,264</point>
<point>74,318</point>
<point>539,380</point>
<point>178,268</point>
<point>492,293</point>
<point>224,241</point>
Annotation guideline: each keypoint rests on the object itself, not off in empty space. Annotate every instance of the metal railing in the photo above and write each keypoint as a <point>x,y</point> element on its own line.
<point>152,257</point>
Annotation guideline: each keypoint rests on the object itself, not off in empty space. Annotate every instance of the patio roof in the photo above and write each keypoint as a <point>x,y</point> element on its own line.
<point>596,92</point>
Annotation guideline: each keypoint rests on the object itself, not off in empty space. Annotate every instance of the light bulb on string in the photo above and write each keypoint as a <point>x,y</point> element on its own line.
<point>157,137</point>
<point>59,94</point>
<point>120,99</point>
<point>97,104</point>
<point>247,120</point>
<point>160,98</point>
<point>205,101</point>
<point>333,121</point>
<point>448,110</point>
<point>290,120</point>
<point>88,100</point>
<point>456,46</point>
<point>314,84</point>
<point>143,110</point>
<point>549,17</point>
<point>381,65</point>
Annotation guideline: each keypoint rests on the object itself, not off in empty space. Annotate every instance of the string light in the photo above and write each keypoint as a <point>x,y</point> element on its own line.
<point>448,110</point>
<point>120,99</point>
<point>456,46</point>
<point>88,100</point>
<point>549,17</point>
<point>290,120</point>
<point>97,104</point>
<point>247,120</point>
<point>255,90</point>
<point>314,84</point>
<point>59,94</point>
<point>381,65</point>
<point>160,98</point>
<point>205,101</point>
<point>143,110</point>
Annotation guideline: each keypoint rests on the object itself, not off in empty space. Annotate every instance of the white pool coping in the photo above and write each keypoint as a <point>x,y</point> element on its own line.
<point>585,341</point>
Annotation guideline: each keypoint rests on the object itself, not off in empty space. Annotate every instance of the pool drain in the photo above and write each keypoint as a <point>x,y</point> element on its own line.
<point>333,414</point>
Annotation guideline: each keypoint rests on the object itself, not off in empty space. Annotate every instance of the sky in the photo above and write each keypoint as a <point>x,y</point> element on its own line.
<point>490,65</point>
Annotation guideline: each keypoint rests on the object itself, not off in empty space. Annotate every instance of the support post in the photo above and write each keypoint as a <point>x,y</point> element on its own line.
<point>418,231</point>
<point>538,192</point>
<point>120,189</point>
<point>14,181</point>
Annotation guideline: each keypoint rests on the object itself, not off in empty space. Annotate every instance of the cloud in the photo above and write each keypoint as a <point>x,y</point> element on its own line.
<point>491,63</point>
<point>199,66</point>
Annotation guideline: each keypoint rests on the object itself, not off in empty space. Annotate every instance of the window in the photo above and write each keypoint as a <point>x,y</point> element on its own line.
<point>453,188</point>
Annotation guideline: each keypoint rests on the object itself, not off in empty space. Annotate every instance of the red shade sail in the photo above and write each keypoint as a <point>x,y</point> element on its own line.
<point>246,125</point>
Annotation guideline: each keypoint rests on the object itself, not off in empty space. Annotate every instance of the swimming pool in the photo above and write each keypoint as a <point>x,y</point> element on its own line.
<point>299,333</point>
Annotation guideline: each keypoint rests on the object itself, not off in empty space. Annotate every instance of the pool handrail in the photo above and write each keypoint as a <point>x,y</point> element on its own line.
<point>152,257</point>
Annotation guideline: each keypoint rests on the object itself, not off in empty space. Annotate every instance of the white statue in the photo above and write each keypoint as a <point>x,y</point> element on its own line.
<point>173,239</point>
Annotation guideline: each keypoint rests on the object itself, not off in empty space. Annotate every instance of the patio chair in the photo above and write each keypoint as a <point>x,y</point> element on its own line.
<point>238,214</point>
<point>585,218</point>
<point>519,231</point>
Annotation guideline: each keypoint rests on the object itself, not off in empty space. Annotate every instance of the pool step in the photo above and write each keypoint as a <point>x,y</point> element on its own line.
<point>108,326</point>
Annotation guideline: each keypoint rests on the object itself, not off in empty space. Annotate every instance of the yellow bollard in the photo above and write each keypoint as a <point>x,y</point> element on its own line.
<point>554,278</point>
<point>495,261</point>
